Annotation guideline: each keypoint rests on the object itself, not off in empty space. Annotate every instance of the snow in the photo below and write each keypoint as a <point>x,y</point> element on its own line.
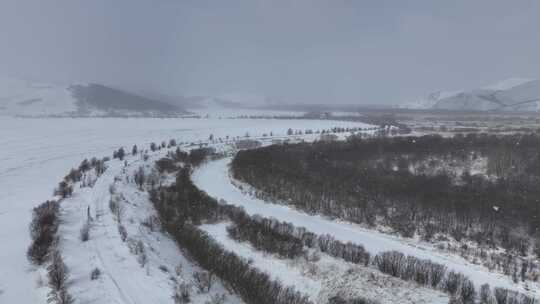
<point>123,279</point>
<point>37,153</point>
<point>429,101</point>
<point>213,178</point>
<point>329,276</point>
<point>505,94</point>
<point>507,84</point>
<point>29,98</point>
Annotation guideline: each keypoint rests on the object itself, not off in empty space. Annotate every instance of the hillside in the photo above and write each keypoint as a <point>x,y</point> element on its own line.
<point>98,98</point>
<point>26,98</point>
<point>507,95</point>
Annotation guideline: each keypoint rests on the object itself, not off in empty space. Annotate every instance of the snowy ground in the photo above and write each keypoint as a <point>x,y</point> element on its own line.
<point>214,178</point>
<point>124,279</point>
<point>329,277</point>
<point>37,153</point>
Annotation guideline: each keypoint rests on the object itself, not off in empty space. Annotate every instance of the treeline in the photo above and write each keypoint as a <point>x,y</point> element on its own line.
<point>44,226</point>
<point>290,241</point>
<point>271,235</point>
<point>284,239</point>
<point>182,205</point>
<point>43,229</point>
<point>253,285</point>
<point>264,238</point>
<point>44,222</point>
<point>358,181</point>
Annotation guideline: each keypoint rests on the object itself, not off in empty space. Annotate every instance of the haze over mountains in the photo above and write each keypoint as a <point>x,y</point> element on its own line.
<point>26,98</point>
<point>38,99</point>
<point>514,94</point>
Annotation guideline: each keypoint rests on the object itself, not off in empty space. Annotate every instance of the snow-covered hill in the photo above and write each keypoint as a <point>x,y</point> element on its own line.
<point>28,98</point>
<point>513,94</point>
<point>19,97</point>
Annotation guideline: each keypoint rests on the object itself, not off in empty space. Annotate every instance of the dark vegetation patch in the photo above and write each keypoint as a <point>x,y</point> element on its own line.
<point>109,99</point>
<point>359,181</point>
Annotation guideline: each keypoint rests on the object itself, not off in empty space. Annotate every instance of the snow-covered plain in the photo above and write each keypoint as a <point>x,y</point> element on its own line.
<point>37,153</point>
<point>214,178</point>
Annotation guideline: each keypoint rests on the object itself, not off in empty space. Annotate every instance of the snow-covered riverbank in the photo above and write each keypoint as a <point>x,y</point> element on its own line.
<point>37,153</point>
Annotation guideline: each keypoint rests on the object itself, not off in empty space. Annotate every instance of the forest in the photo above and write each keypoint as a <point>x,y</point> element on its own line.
<point>182,207</point>
<point>395,182</point>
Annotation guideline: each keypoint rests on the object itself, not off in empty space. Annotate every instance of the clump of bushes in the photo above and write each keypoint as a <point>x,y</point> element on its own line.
<point>58,275</point>
<point>43,231</point>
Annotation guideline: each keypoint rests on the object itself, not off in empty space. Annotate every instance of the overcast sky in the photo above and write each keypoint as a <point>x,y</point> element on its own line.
<point>332,51</point>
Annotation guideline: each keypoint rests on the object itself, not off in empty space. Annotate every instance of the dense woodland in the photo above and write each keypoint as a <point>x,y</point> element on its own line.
<point>378,181</point>
<point>369,181</point>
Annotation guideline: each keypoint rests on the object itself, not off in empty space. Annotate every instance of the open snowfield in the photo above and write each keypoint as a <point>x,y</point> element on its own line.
<point>37,154</point>
<point>214,178</point>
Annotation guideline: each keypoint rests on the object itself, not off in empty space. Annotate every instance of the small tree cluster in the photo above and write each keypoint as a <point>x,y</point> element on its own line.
<point>140,178</point>
<point>263,237</point>
<point>64,189</point>
<point>505,296</point>
<point>181,294</point>
<point>410,268</point>
<point>43,231</point>
<point>85,232</point>
<point>58,275</point>
<point>427,273</point>
<point>116,207</point>
<point>203,281</point>
<point>120,154</point>
<point>95,274</point>
<point>198,156</point>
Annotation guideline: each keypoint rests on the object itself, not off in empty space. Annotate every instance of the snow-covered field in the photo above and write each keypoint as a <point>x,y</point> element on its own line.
<point>214,178</point>
<point>125,278</point>
<point>37,153</point>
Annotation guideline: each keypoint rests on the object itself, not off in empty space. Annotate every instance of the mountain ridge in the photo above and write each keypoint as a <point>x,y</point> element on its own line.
<point>514,94</point>
<point>25,98</point>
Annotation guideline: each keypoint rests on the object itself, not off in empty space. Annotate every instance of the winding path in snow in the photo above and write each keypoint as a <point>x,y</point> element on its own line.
<point>213,177</point>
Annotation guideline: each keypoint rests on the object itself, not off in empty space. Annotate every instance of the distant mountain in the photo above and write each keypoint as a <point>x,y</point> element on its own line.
<point>36,99</point>
<point>96,98</point>
<point>508,95</point>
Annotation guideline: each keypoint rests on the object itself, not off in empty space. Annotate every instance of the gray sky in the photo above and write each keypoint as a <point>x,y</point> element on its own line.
<point>336,51</point>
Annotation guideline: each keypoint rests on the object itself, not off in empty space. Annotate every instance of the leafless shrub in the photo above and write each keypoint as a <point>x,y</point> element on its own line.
<point>85,232</point>
<point>151,222</point>
<point>181,294</point>
<point>216,299</point>
<point>117,208</point>
<point>123,232</point>
<point>203,281</point>
<point>42,231</point>
<point>95,274</point>
<point>163,268</point>
<point>178,269</point>
<point>58,275</point>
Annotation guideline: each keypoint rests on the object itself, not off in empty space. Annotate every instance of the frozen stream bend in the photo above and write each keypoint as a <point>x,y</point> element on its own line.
<point>213,177</point>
